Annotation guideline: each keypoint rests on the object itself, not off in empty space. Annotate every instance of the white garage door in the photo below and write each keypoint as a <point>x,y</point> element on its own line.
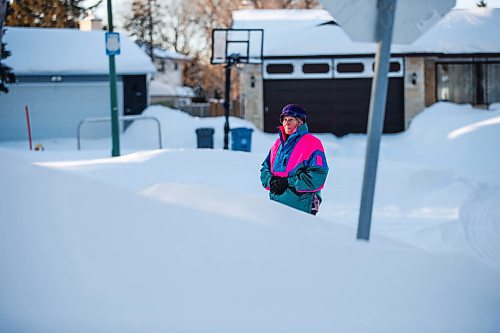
<point>56,109</point>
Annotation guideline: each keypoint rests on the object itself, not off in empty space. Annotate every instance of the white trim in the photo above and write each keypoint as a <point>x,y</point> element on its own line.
<point>297,72</point>
<point>368,68</point>
<point>297,69</point>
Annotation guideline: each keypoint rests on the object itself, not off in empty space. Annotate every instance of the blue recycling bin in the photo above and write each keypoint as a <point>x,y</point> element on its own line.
<point>241,139</point>
<point>205,137</point>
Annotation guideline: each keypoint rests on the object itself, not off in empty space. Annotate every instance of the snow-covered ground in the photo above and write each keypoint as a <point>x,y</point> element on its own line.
<point>181,239</point>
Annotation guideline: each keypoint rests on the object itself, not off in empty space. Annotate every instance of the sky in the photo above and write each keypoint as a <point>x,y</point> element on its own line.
<point>186,240</point>
<point>121,7</point>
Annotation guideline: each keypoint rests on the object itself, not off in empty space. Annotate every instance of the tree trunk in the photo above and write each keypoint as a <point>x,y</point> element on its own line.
<point>3,8</point>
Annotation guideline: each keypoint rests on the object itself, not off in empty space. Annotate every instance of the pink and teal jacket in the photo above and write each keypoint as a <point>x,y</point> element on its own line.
<point>302,159</point>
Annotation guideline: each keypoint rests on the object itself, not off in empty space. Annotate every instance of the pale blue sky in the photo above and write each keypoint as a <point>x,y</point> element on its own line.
<point>120,7</point>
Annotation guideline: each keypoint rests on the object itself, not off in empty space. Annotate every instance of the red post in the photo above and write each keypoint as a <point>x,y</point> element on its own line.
<point>29,126</point>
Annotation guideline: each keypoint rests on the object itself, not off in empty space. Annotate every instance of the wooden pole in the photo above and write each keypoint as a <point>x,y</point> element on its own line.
<point>28,125</point>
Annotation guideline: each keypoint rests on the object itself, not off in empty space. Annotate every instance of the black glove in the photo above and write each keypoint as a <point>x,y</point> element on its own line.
<point>278,185</point>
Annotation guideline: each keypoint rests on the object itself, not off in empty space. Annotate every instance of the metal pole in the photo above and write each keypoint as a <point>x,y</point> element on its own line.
<point>112,89</point>
<point>227,102</point>
<point>386,10</point>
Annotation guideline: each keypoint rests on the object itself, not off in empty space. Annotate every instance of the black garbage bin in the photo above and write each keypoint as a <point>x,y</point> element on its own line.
<point>205,137</point>
<point>241,139</point>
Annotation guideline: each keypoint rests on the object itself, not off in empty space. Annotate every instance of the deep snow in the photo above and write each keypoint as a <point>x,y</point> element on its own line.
<point>185,240</point>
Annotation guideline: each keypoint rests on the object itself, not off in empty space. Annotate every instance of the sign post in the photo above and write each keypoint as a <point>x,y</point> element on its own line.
<point>378,100</point>
<point>112,49</point>
<point>374,21</point>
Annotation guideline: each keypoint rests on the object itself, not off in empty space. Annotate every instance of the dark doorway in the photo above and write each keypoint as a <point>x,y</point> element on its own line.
<point>134,94</point>
<point>338,106</point>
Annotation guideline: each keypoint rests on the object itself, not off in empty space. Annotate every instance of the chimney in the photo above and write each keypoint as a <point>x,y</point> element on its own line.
<point>90,22</point>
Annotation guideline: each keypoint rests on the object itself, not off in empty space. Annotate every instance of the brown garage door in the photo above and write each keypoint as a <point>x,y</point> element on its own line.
<point>338,106</point>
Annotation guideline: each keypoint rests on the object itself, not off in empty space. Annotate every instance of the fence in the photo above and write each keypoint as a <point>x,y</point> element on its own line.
<point>212,109</point>
<point>125,121</point>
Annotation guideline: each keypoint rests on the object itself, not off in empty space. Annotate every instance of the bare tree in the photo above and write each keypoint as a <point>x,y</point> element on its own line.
<point>187,28</point>
<point>6,74</point>
<point>144,24</point>
<point>182,29</point>
<point>284,4</point>
<point>214,14</point>
<point>3,12</point>
<point>48,13</point>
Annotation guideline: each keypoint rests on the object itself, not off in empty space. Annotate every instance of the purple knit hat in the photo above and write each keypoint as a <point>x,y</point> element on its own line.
<point>293,110</point>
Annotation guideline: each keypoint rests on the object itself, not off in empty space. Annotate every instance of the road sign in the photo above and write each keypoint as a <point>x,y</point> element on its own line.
<point>381,22</point>
<point>112,43</point>
<point>358,18</point>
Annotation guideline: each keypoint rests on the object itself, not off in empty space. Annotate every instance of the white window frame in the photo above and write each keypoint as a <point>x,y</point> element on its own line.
<point>297,72</point>
<point>368,68</point>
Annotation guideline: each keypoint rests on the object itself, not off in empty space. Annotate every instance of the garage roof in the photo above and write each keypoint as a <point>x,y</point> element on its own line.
<point>299,32</point>
<point>46,51</point>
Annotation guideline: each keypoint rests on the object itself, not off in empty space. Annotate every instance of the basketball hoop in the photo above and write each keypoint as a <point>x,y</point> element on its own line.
<point>235,46</point>
<point>243,45</point>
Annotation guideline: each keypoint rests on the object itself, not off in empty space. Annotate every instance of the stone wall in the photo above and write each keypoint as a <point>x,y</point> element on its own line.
<point>415,86</point>
<point>252,95</point>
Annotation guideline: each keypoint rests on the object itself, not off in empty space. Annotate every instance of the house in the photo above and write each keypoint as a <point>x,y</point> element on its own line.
<point>308,59</point>
<point>63,78</point>
<point>167,85</point>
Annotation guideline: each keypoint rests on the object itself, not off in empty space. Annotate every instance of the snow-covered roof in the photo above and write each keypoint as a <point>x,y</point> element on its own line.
<point>299,32</point>
<point>45,51</point>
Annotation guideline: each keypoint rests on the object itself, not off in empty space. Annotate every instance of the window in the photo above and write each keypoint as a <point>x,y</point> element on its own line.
<point>279,68</point>
<point>394,67</point>
<point>355,67</point>
<point>472,82</point>
<point>319,68</point>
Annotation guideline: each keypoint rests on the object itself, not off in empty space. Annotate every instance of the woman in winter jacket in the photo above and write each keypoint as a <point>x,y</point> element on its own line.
<point>295,169</point>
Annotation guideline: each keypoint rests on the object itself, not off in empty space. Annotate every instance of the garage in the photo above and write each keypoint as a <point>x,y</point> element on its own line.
<point>308,59</point>
<point>63,78</point>
<point>335,92</point>
<point>56,109</point>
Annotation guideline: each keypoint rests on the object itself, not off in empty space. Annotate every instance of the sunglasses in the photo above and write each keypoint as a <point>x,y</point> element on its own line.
<point>291,113</point>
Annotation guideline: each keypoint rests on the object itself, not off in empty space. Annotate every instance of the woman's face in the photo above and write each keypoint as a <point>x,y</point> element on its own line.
<point>290,124</point>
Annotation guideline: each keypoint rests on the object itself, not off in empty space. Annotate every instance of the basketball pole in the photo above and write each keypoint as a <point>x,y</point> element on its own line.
<point>229,51</point>
<point>231,60</point>
<point>227,104</point>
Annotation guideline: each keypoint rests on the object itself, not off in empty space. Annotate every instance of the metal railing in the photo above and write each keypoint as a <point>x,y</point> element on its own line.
<point>121,119</point>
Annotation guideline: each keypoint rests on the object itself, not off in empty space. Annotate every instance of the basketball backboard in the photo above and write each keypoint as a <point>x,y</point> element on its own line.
<point>242,45</point>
